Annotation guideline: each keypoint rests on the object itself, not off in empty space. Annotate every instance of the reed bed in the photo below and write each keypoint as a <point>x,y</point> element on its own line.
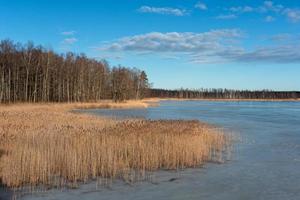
<point>46,145</point>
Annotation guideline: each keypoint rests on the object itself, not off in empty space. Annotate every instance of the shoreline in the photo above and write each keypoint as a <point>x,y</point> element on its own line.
<point>129,104</point>
<point>224,100</point>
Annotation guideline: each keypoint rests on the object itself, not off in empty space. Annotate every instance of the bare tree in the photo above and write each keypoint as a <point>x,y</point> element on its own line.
<point>33,74</point>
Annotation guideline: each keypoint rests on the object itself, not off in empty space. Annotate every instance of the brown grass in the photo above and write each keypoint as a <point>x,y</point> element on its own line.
<point>46,144</point>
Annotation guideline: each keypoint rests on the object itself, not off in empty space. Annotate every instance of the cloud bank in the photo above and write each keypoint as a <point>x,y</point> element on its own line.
<point>174,41</point>
<point>207,47</point>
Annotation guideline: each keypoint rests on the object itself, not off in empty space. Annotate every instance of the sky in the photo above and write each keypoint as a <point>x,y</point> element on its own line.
<point>249,44</point>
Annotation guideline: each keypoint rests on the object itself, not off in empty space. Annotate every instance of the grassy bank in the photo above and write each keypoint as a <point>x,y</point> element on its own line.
<point>46,144</point>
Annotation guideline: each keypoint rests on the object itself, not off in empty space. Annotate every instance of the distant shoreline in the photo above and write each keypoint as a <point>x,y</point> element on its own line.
<point>227,100</point>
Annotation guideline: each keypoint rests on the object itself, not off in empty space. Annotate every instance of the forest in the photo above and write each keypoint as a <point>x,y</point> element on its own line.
<point>223,94</point>
<point>30,73</point>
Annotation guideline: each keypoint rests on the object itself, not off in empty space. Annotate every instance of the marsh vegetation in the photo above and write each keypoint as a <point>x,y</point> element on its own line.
<point>47,145</point>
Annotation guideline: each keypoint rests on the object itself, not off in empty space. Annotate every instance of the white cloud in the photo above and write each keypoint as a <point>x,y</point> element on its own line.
<point>175,41</point>
<point>242,9</point>
<point>292,14</point>
<point>270,6</point>
<point>267,6</point>
<point>269,18</point>
<point>229,16</point>
<point>163,10</point>
<point>201,6</point>
<point>207,47</point>
<point>69,41</point>
<point>68,33</point>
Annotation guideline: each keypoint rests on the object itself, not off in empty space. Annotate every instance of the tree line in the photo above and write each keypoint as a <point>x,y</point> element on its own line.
<point>30,73</point>
<point>223,94</point>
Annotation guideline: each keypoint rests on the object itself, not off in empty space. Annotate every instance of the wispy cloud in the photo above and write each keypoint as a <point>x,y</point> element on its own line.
<point>68,33</point>
<point>241,9</point>
<point>281,37</point>
<point>163,10</point>
<point>229,16</point>
<point>69,41</point>
<point>201,6</point>
<point>269,18</point>
<point>214,46</point>
<point>269,7</point>
<point>274,54</point>
<point>108,57</point>
<point>292,14</point>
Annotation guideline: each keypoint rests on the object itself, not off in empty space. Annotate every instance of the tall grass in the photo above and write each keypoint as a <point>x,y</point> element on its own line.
<point>49,146</point>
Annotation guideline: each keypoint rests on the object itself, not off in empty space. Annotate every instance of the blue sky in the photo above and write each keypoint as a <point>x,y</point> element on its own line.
<point>235,44</point>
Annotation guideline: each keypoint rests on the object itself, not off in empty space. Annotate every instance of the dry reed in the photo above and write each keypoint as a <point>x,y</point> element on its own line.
<point>45,144</point>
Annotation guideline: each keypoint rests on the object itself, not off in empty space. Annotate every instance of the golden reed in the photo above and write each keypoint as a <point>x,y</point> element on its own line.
<point>47,145</point>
